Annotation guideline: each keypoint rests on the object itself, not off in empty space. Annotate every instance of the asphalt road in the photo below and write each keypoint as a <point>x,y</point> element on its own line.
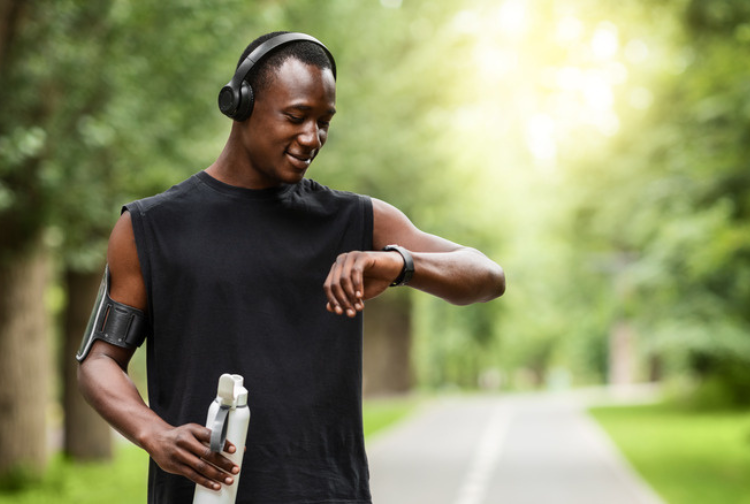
<point>530,449</point>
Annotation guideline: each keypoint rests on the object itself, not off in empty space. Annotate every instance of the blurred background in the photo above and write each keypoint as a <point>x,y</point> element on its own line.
<point>597,150</point>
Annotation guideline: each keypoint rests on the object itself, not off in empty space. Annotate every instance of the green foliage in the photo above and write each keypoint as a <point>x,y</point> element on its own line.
<point>103,104</point>
<point>687,457</point>
<point>686,193</point>
<point>610,181</point>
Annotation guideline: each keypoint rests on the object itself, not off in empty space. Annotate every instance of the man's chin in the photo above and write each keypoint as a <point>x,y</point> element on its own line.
<point>295,177</point>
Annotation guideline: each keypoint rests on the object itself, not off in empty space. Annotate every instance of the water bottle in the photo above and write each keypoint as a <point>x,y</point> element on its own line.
<point>228,418</point>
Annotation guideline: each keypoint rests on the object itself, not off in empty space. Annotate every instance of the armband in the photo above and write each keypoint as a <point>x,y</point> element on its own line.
<point>116,323</point>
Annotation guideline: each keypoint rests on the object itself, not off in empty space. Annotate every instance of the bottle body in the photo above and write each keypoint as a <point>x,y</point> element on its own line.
<point>239,419</point>
<point>237,422</point>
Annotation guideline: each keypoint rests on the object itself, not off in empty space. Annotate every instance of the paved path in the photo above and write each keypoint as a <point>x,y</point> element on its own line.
<point>530,449</point>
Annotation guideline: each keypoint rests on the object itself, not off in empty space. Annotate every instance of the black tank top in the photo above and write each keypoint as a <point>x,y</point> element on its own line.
<point>235,285</point>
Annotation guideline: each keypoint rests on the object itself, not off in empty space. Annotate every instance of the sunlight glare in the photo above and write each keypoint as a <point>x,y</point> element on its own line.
<point>565,106</point>
<point>580,54</point>
<point>569,78</point>
<point>636,51</point>
<point>554,97</point>
<point>540,137</point>
<point>512,18</point>
<point>616,73</point>
<point>640,98</point>
<point>608,124</point>
<point>597,92</point>
<point>467,22</point>
<point>495,63</point>
<point>569,29</point>
<point>605,43</point>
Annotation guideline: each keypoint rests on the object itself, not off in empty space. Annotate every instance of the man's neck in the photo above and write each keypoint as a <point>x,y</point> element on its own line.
<point>232,167</point>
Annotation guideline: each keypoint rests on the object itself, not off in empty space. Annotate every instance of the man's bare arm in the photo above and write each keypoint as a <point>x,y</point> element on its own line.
<point>457,274</point>
<point>104,382</point>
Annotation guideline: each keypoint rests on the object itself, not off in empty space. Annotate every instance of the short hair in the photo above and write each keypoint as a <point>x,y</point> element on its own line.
<point>261,75</point>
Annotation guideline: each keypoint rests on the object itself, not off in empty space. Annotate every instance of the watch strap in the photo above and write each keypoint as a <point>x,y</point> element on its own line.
<point>407,272</point>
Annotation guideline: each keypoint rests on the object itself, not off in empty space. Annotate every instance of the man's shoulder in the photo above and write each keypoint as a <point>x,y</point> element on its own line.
<point>314,189</point>
<point>174,194</point>
<point>315,199</point>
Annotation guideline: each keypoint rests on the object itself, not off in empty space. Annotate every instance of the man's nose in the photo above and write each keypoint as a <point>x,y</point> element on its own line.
<point>312,137</point>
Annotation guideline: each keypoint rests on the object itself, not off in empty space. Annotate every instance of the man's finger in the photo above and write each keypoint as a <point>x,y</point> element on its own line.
<point>342,281</point>
<point>344,285</point>
<point>219,463</point>
<point>195,477</point>
<point>333,305</point>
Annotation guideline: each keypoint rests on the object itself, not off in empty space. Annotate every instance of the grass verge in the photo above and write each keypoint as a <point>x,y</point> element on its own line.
<point>378,414</point>
<point>688,457</point>
<point>123,481</point>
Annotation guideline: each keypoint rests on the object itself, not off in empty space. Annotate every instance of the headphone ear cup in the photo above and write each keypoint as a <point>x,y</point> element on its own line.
<point>227,101</point>
<point>247,100</point>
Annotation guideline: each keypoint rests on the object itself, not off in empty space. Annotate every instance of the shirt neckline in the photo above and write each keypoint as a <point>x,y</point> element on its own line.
<point>243,192</point>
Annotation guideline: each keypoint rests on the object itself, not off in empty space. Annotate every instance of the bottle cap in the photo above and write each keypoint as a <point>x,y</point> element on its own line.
<point>240,391</point>
<point>226,390</point>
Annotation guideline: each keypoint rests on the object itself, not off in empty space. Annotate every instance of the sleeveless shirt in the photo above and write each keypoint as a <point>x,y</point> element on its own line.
<point>234,279</point>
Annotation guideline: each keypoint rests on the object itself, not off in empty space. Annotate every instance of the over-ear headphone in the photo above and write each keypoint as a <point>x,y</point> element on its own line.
<point>236,98</point>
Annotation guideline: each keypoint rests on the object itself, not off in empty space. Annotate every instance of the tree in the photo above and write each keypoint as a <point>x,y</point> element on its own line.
<point>73,150</point>
<point>24,353</point>
<point>676,199</point>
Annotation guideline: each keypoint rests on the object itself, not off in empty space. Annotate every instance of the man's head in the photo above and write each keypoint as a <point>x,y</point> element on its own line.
<point>289,123</point>
<point>307,52</point>
<point>259,62</point>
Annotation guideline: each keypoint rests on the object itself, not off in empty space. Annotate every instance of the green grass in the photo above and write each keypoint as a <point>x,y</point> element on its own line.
<point>688,457</point>
<point>123,481</point>
<point>382,413</point>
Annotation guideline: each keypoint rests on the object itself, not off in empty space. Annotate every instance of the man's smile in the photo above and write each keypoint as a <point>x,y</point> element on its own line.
<point>299,160</point>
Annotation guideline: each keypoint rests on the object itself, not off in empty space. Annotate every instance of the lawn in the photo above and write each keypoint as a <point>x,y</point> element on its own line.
<point>381,413</point>
<point>688,457</point>
<point>123,481</point>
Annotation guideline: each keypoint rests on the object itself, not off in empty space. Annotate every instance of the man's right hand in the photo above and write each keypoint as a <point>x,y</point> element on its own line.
<point>182,450</point>
<point>185,451</point>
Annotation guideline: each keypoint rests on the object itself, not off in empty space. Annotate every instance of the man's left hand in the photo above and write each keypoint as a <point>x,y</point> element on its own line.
<point>357,276</point>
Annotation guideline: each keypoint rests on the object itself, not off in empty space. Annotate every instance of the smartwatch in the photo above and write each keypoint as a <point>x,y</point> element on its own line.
<point>408,270</point>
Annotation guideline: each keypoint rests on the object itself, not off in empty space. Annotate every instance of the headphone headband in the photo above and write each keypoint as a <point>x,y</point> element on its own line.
<point>268,46</point>
<point>231,96</point>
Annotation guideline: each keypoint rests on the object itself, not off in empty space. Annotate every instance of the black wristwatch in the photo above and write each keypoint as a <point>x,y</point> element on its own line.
<point>408,271</point>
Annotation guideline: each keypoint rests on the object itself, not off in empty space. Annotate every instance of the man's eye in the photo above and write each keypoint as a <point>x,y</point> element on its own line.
<point>295,119</point>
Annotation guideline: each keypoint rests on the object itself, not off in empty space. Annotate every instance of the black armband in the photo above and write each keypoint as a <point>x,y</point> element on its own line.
<point>116,323</point>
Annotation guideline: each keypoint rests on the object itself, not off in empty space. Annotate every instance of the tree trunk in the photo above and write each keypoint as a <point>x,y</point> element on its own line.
<point>24,363</point>
<point>11,13</point>
<point>387,345</point>
<point>621,353</point>
<point>87,436</point>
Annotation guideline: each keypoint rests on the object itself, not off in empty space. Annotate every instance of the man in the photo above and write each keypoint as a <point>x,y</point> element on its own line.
<point>250,268</point>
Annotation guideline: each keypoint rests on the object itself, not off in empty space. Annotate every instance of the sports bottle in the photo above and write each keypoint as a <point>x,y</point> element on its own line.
<point>228,418</point>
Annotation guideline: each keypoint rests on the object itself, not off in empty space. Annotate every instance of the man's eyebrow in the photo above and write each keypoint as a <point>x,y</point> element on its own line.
<point>307,108</point>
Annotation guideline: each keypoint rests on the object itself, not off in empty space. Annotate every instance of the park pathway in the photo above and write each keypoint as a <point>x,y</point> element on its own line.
<point>514,449</point>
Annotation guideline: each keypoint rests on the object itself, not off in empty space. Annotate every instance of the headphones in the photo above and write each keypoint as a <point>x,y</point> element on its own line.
<point>236,98</point>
